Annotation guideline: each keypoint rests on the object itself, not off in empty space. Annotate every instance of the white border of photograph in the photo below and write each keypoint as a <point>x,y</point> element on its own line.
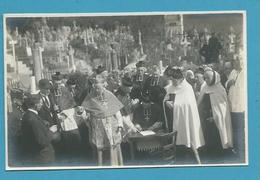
<point>243,12</point>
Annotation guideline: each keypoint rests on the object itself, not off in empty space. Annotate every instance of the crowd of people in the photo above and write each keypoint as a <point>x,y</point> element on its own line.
<point>98,110</point>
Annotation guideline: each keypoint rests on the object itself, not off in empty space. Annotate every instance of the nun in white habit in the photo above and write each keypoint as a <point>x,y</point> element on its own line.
<point>219,106</point>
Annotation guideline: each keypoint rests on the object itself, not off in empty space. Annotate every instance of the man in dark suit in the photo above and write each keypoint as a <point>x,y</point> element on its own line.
<point>210,51</point>
<point>214,48</point>
<point>36,137</point>
<point>47,111</point>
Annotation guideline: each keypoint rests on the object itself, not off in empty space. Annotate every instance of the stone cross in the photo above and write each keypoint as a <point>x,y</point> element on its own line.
<point>13,43</point>
<point>185,44</point>
<point>140,41</point>
<point>71,57</point>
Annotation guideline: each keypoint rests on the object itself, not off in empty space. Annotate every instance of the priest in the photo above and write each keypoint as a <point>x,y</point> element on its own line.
<point>105,122</point>
<point>154,86</point>
<point>62,96</point>
<point>139,80</point>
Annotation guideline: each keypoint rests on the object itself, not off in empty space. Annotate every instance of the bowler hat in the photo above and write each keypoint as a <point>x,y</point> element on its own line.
<point>57,76</point>
<point>31,101</point>
<point>71,81</point>
<point>140,64</point>
<point>126,81</point>
<point>44,84</point>
<point>100,69</point>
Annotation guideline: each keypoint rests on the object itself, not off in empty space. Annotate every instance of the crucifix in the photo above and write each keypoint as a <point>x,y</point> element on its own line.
<point>18,37</point>
<point>12,42</point>
<point>206,34</point>
<point>37,62</point>
<point>84,34</point>
<point>16,32</point>
<point>74,25</point>
<point>71,56</point>
<point>68,61</point>
<point>43,34</point>
<point>232,38</point>
<point>181,23</point>
<point>92,36</point>
<point>41,49</point>
<point>147,113</point>
<point>185,44</point>
<point>140,42</point>
<point>28,48</point>
<point>59,54</point>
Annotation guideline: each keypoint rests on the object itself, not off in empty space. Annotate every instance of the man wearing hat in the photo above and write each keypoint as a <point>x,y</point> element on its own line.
<point>47,112</point>
<point>36,137</point>
<point>83,84</point>
<point>113,81</point>
<point>139,80</point>
<point>101,70</point>
<point>123,94</point>
<point>199,81</point>
<point>71,85</point>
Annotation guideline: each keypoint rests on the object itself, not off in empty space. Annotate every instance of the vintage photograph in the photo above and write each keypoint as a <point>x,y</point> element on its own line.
<point>122,90</point>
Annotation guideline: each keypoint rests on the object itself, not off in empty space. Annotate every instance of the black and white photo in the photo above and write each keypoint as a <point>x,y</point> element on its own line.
<point>123,90</point>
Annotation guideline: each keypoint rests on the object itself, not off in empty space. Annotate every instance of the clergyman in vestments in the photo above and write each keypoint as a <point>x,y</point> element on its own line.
<point>105,121</point>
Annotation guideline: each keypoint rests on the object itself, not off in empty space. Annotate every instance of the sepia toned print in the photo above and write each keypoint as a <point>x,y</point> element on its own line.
<point>125,90</point>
